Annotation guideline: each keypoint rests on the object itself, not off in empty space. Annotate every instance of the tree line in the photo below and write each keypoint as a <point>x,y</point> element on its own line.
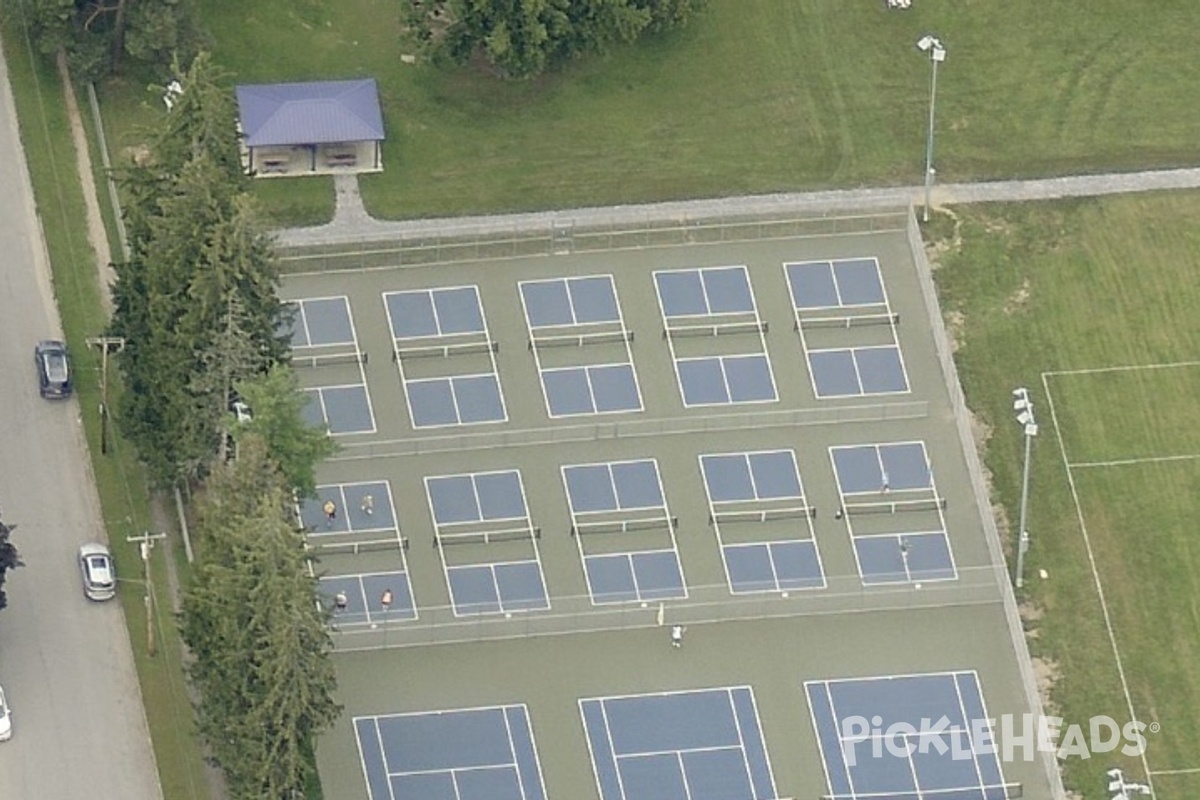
<point>523,38</point>
<point>196,304</point>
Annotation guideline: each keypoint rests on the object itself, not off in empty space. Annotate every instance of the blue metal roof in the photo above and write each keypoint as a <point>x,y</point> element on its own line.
<point>310,113</point>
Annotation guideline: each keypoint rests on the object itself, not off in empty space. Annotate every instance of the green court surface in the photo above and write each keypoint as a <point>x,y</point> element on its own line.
<point>677,506</point>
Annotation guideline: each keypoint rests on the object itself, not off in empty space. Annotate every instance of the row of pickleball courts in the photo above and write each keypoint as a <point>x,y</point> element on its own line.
<point>489,541</point>
<point>445,351</point>
<point>905,737</point>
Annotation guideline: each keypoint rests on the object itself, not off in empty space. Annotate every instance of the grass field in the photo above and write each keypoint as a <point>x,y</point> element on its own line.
<point>753,96</point>
<point>119,478</point>
<point>1050,288</point>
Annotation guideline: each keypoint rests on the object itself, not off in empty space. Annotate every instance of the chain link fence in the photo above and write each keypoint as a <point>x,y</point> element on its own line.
<point>539,235</point>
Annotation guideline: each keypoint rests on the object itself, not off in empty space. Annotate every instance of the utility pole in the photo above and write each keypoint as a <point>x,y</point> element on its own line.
<point>107,344</point>
<point>146,545</point>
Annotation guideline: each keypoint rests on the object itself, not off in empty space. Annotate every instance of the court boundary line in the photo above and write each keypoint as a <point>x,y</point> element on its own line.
<point>449,380</point>
<point>853,351</point>
<point>715,523</point>
<point>628,555</point>
<point>362,372</point>
<point>514,764</point>
<point>299,302</point>
<point>953,676</point>
<point>886,490</point>
<point>1091,555</point>
<point>714,318</point>
<point>528,525</point>
<point>602,703</point>
<point>575,324</point>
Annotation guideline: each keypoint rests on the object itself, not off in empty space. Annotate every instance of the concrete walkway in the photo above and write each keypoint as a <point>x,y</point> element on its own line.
<point>352,224</point>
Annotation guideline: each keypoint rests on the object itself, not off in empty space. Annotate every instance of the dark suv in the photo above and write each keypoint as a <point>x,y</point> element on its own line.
<point>53,368</point>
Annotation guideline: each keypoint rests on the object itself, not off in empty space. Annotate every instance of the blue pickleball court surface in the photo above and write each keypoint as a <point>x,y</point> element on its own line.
<point>760,493</point>
<point>706,291</point>
<point>901,546</point>
<point>363,595</point>
<point>468,754</point>
<point>912,737</point>
<point>562,302</point>
<point>624,498</point>
<point>428,313</point>
<point>320,322</point>
<point>694,745</point>
<point>469,510</point>
<point>845,283</point>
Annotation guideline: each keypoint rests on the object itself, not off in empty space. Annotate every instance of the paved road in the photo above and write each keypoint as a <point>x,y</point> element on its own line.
<point>65,663</point>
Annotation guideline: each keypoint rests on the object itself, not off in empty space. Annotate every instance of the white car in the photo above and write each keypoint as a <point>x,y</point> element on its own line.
<point>99,574</point>
<point>5,719</point>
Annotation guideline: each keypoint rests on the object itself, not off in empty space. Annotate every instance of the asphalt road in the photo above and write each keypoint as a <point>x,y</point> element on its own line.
<point>65,663</point>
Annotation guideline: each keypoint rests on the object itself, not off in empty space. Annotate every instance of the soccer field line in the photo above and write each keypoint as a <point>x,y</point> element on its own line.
<point>1125,462</point>
<point>1087,543</point>
<point>1190,771</point>
<point>1122,368</point>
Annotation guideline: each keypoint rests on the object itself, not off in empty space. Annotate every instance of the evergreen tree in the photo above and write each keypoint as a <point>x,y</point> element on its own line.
<point>197,250</point>
<point>259,639</point>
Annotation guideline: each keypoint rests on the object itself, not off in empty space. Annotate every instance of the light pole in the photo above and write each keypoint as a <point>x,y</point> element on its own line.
<point>1024,408</point>
<point>937,54</point>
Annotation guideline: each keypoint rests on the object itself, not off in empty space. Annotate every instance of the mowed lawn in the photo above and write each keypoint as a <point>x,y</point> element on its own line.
<point>752,96</point>
<point>1087,284</point>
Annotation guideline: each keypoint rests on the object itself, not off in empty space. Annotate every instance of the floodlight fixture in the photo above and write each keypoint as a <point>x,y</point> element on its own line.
<point>1026,416</point>
<point>1021,403</point>
<point>1115,772</point>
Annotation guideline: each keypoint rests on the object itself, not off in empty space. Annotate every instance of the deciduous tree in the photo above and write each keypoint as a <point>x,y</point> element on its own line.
<point>277,404</point>
<point>526,37</point>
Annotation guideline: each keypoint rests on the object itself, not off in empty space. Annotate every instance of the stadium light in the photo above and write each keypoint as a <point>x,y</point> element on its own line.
<point>1023,404</point>
<point>937,54</point>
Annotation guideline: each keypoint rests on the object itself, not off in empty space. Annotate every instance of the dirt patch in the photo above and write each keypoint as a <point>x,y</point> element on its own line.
<point>1047,673</point>
<point>136,154</point>
<point>956,324</point>
<point>1018,300</point>
<point>934,250</point>
<point>97,235</point>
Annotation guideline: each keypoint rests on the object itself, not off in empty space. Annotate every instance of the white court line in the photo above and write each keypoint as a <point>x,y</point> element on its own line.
<point>966,717</point>
<point>591,750</point>
<point>1125,462</point>
<point>1087,543</point>
<point>812,715</point>
<point>841,750</point>
<point>1125,368</point>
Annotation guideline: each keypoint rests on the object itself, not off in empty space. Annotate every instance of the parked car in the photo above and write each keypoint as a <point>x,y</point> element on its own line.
<point>99,574</point>
<point>53,368</point>
<point>5,719</point>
